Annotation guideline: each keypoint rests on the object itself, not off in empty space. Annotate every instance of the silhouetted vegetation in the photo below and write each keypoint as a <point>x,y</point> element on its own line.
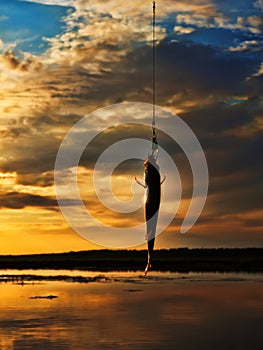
<point>177,260</point>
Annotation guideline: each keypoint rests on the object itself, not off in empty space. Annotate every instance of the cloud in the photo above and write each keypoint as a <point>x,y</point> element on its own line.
<point>183,30</point>
<point>258,4</point>
<point>251,23</point>
<point>256,21</point>
<point>3,18</point>
<point>103,32</point>
<point>248,45</point>
<point>66,3</point>
<point>199,72</point>
<point>181,83</point>
<point>122,7</point>
<point>196,19</point>
<point>260,71</point>
<point>26,64</point>
<point>111,32</point>
<point>16,200</point>
<point>30,154</point>
<point>217,19</point>
<point>40,180</point>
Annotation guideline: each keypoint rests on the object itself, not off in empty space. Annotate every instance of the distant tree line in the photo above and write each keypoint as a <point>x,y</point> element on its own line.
<point>180,259</point>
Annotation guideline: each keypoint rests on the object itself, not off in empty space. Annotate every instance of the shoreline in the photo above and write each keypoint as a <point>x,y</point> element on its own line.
<point>174,260</point>
<point>128,278</point>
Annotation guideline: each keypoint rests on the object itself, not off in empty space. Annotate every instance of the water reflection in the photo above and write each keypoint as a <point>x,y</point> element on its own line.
<point>128,312</point>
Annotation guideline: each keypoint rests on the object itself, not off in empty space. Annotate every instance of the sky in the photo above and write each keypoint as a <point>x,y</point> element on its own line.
<point>61,60</point>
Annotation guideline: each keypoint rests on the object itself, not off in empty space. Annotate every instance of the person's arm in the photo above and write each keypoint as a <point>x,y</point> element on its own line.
<point>139,182</point>
<point>162,181</point>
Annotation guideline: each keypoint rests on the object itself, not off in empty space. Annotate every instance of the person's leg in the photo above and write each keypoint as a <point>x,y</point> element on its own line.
<point>150,250</point>
<point>150,255</point>
<point>151,223</point>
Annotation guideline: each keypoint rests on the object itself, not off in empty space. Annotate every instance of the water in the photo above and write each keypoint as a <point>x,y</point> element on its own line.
<point>123,310</point>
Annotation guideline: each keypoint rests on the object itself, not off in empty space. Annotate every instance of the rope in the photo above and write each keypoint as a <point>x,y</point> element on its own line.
<point>154,136</point>
<point>153,63</point>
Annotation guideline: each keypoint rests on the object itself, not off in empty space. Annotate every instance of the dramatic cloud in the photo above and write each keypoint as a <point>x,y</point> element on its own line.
<point>93,54</point>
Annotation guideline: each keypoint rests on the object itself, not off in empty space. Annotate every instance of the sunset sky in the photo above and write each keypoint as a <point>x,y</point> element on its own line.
<point>63,59</point>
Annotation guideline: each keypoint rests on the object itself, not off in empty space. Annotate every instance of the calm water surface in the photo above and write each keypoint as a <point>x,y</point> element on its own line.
<point>128,311</point>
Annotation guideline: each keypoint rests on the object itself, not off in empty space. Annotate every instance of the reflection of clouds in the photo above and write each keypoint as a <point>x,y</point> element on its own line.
<point>109,314</point>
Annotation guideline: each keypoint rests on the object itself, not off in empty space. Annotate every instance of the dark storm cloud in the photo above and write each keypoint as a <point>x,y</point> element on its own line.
<point>187,75</point>
<point>219,118</point>
<point>234,160</point>
<point>199,68</point>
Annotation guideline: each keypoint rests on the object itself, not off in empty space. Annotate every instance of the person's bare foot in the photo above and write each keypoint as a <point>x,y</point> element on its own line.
<point>148,267</point>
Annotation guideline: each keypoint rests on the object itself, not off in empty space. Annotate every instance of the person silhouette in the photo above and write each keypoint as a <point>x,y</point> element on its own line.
<point>152,184</point>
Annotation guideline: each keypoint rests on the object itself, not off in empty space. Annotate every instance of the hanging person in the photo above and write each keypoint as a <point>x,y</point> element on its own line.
<point>152,184</point>
<point>151,172</point>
